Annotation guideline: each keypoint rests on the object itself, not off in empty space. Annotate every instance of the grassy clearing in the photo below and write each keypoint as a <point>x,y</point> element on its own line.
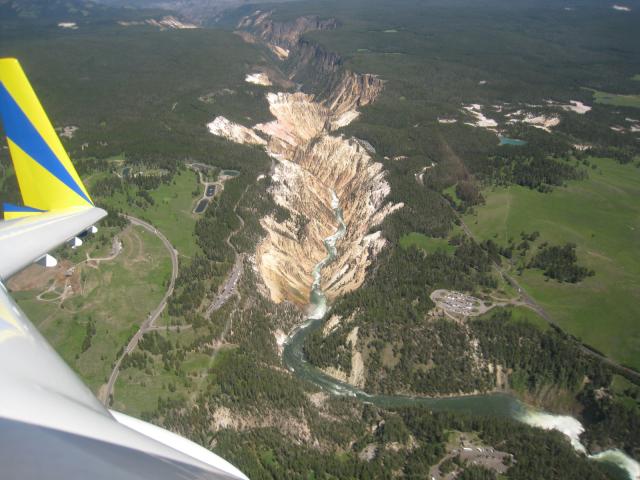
<point>620,384</point>
<point>138,391</point>
<point>521,315</point>
<point>117,297</point>
<point>524,314</point>
<point>451,191</point>
<point>172,211</point>
<point>601,216</point>
<point>616,100</point>
<point>428,244</point>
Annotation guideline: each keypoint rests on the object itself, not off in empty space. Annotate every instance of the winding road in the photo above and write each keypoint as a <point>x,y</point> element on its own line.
<point>106,391</point>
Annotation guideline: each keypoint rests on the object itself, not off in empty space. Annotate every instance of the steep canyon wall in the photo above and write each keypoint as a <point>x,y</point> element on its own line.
<point>312,163</point>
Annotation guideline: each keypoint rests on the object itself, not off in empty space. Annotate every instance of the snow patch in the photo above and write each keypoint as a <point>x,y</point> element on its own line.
<point>481,121</point>
<point>581,147</point>
<point>258,79</point>
<point>577,107</point>
<point>542,122</point>
<point>69,131</point>
<point>168,22</point>
<point>223,127</point>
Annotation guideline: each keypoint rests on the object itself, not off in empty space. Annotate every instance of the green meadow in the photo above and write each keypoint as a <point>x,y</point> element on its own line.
<point>601,215</point>
<point>138,390</point>
<point>617,100</point>
<point>117,297</point>
<point>172,211</point>
<point>520,314</point>
<point>428,244</point>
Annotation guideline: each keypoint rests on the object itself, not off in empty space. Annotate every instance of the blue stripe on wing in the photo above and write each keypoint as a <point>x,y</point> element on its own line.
<point>22,132</point>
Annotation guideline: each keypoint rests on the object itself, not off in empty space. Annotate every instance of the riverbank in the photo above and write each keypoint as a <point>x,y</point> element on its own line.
<point>498,404</point>
<point>525,407</point>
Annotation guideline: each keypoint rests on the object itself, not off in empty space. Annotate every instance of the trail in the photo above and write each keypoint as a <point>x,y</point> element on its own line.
<point>106,391</point>
<point>116,249</point>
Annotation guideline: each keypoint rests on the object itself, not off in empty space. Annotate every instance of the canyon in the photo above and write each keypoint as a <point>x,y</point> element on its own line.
<point>312,164</point>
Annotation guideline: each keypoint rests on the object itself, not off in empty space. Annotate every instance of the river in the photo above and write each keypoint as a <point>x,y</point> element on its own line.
<point>621,466</point>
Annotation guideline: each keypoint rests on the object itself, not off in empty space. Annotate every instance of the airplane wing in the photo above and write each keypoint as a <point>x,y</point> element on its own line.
<point>51,424</point>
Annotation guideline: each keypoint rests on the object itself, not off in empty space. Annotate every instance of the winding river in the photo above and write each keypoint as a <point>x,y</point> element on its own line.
<point>620,465</point>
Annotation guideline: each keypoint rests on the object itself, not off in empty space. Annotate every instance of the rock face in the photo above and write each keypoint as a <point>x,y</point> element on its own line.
<point>234,132</point>
<point>302,183</point>
<point>356,375</point>
<point>282,34</point>
<point>313,163</point>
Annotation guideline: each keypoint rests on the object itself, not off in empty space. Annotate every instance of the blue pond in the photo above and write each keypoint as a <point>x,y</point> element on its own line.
<point>511,141</point>
<point>202,205</point>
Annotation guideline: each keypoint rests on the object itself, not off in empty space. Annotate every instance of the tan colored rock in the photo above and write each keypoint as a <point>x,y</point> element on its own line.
<point>223,127</point>
<point>311,166</point>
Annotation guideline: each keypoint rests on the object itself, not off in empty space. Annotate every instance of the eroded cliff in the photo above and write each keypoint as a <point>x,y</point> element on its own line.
<point>311,164</point>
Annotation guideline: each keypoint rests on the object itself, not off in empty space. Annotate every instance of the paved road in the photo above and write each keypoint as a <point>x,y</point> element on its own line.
<point>230,284</point>
<point>528,301</point>
<point>106,391</point>
<point>228,288</point>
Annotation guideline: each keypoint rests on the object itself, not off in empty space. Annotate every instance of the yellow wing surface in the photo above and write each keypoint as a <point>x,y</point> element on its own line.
<point>47,179</point>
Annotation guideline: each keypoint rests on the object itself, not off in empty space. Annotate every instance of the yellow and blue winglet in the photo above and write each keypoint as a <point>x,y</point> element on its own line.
<point>19,211</point>
<point>46,177</point>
